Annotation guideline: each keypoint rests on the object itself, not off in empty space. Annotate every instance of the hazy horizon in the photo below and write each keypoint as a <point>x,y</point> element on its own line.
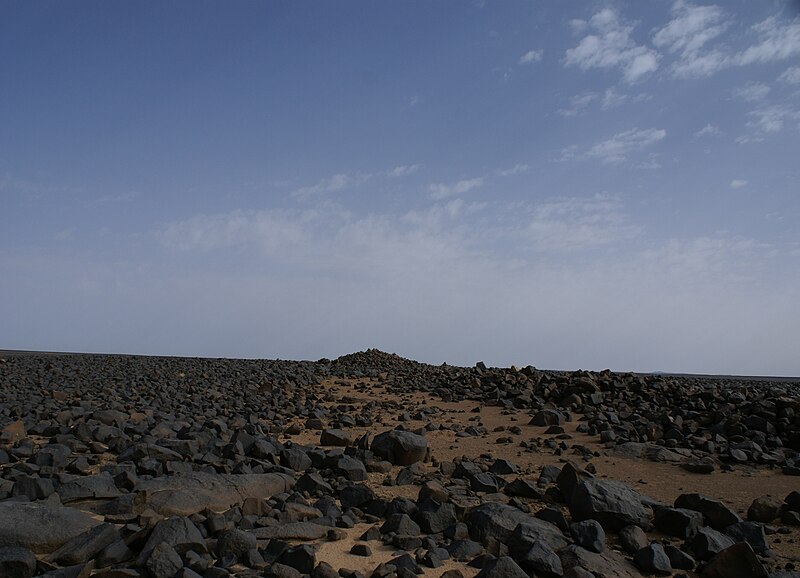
<point>590,185</point>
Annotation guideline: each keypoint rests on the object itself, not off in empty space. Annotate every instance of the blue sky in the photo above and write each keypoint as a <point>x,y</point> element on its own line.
<point>582,184</point>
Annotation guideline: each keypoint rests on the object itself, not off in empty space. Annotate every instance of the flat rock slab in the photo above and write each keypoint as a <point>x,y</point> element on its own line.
<point>608,564</point>
<point>646,451</point>
<point>187,494</point>
<point>292,531</point>
<point>42,529</point>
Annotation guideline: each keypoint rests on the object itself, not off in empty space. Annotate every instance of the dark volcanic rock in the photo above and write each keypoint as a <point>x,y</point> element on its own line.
<point>737,561</point>
<point>187,494</point>
<point>400,524</point>
<point>653,560</point>
<point>719,515</point>
<point>678,522</point>
<point>608,564</point>
<point>707,543</point>
<point>503,567</point>
<point>632,538</point>
<point>85,546</point>
<point>589,534</point>
<point>401,448</point>
<point>16,562</point>
<point>750,532</point>
<point>292,531</point>
<point>613,504</point>
<point>541,560</point>
<point>235,543</point>
<point>335,437</point>
<point>508,525</point>
<point>163,561</point>
<point>94,487</point>
<point>41,529</point>
<point>764,509</point>
<point>179,533</point>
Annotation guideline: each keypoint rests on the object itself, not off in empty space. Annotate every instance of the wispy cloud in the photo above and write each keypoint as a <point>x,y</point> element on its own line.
<point>772,118</point>
<point>126,197</point>
<point>403,170</point>
<point>617,148</point>
<point>778,40</point>
<point>738,183</point>
<point>695,37</point>
<point>273,231</point>
<point>708,130</point>
<point>611,45</point>
<point>578,104</point>
<point>440,191</point>
<point>791,75</point>
<point>332,184</point>
<point>752,91</point>
<point>531,56</point>
<point>515,170</point>
<point>687,34</point>
<point>573,223</point>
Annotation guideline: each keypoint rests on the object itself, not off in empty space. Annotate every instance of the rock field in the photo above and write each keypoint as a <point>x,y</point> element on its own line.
<point>372,465</point>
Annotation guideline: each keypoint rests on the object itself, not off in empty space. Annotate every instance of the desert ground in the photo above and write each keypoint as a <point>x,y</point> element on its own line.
<point>375,465</point>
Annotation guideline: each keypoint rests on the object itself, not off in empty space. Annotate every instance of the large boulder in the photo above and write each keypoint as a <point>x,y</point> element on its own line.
<point>16,562</point>
<point>41,529</point>
<point>501,522</point>
<point>402,448</point>
<point>187,494</point>
<point>179,533</point>
<point>719,515</point>
<point>737,561</point>
<point>613,504</point>
<point>607,564</point>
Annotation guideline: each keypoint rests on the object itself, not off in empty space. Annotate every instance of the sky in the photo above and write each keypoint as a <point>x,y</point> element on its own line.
<point>609,184</point>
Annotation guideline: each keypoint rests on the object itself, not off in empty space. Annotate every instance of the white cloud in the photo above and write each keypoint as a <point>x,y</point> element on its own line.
<point>771,119</point>
<point>126,197</point>
<point>791,75</point>
<point>403,170</point>
<point>617,148</point>
<point>694,37</point>
<point>273,231</point>
<point>778,41</point>
<point>65,234</point>
<point>686,35</point>
<point>441,190</point>
<point>516,169</point>
<point>332,184</point>
<point>531,56</point>
<point>708,130</point>
<point>613,99</point>
<point>573,223</point>
<point>752,91</point>
<point>408,283</point>
<point>578,104</point>
<point>738,183</point>
<point>611,46</point>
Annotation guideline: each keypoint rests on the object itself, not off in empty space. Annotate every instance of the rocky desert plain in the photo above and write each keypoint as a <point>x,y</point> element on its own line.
<point>372,465</point>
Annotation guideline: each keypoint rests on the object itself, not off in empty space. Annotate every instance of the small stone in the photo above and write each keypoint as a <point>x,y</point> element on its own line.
<point>361,550</point>
<point>164,561</point>
<point>16,562</point>
<point>503,567</point>
<point>588,534</point>
<point>653,559</point>
<point>632,538</point>
<point>764,509</point>
<point>738,560</point>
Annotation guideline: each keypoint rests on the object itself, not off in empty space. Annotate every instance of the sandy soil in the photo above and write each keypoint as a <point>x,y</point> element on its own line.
<point>661,481</point>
